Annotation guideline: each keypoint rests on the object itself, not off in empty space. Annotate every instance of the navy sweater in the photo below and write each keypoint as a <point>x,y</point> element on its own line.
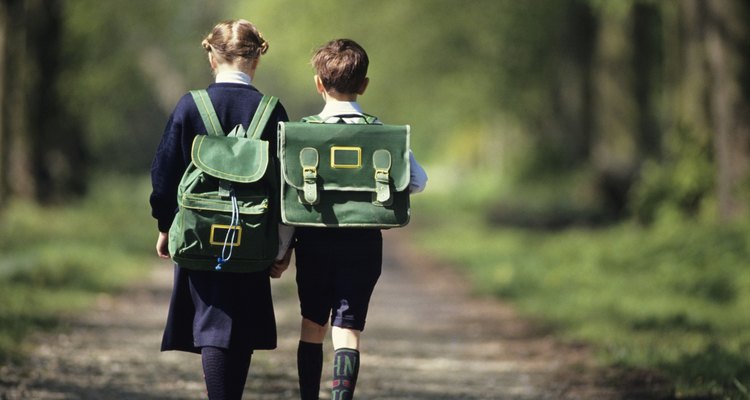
<point>235,104</point>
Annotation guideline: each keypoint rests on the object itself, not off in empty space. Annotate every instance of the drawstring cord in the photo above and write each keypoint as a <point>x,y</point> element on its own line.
<point>231,233</point>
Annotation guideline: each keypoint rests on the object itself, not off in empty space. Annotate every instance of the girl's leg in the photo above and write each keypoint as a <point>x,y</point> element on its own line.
<point>225,372</point>
<point>310,359</point>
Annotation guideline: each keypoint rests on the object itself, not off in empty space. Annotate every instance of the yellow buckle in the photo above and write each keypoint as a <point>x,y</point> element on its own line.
<point>382,174</point>
<point>341,150</point>
<point>222,231</point>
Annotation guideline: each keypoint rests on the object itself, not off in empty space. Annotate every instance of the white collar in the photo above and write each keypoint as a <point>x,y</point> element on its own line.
<point>233,77</point>
<point>335,107</point>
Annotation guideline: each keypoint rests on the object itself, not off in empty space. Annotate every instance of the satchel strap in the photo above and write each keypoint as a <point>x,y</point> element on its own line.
<point>308,158</point>
<point>207,111</point>
<point>381,161</point>
<point>317,119</point>
<point>314,119</point>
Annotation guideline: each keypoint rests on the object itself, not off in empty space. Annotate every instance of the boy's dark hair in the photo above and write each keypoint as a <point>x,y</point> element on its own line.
<point>341,65</point>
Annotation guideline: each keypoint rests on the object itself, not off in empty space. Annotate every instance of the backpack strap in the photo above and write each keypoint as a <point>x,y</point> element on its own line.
<point>211,121</point>
<point>262,114</point>
<point>208,114</point>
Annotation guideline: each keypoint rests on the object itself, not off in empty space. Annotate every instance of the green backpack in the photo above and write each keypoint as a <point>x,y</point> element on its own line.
<point>344,175</point>
<point>227,218</point>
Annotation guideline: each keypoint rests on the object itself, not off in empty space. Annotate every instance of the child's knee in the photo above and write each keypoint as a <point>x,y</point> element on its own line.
<point>312,332</point>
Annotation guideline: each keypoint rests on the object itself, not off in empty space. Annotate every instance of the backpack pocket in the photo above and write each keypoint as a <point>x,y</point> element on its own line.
<point>204,231</point>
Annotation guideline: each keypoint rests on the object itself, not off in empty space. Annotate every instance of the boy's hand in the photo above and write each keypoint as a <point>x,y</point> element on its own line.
<point>162,245</point>
<point>279,266</point>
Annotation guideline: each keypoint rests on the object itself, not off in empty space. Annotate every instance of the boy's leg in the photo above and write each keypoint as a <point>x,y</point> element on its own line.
<point>310,359</point>
<point>345,372</point>
<point>345,338</point>
<point>314,286</point>
<point>355,283</point>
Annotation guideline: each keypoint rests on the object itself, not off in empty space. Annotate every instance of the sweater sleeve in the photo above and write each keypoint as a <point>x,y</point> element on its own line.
<point>168,166</point>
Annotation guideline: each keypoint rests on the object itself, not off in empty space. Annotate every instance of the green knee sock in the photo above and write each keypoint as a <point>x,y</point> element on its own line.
<point>345,371</point>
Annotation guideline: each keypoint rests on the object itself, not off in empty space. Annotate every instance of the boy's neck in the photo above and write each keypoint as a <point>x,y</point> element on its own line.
<point>336,96</point>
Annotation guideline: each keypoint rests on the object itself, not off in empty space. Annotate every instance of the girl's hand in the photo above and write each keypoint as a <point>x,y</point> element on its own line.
<point>162,245</point>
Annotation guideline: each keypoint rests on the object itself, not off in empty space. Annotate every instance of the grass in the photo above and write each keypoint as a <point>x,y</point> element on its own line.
<point>57,260</point>
<point>673,297</point>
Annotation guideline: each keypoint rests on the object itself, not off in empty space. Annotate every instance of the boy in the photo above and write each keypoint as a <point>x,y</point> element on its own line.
<point>337,268</point>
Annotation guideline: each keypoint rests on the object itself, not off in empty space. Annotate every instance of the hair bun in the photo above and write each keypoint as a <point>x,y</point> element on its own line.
<point>236,38</point>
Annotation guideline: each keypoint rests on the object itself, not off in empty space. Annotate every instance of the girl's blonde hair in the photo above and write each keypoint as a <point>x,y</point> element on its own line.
<point>235,40</point>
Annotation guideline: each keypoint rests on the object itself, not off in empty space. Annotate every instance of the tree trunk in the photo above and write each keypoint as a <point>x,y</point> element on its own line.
<point>41,154</point>
<point>4,33</point>
<point>19,173</point>
<point>725,41</point>
<point>646,62</point>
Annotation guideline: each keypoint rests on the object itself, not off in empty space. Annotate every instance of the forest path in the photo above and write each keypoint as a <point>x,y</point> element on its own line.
<point>426,338</point>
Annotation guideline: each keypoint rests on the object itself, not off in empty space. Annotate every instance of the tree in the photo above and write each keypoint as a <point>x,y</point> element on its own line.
<point>41,152</point>
<point>727,41</point>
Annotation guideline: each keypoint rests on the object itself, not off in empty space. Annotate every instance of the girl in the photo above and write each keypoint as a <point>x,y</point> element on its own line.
<point>222,316</point>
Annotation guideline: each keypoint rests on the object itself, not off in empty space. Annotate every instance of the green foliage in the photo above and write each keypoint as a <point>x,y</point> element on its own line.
<point>525,88</point>
<point>125,65</point>
<point>681,184</point>
<point>58,260</point>
<point>669,297</point>
<point>443,66</point>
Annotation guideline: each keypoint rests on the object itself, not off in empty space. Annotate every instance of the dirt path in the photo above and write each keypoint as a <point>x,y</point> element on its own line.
<point>425,339</point>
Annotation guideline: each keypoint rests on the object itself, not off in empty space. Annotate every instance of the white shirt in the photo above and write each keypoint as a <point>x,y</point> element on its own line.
<point>233,77</point>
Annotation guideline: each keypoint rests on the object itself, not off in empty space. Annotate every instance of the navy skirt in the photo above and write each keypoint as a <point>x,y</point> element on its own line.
<point>220,309</point>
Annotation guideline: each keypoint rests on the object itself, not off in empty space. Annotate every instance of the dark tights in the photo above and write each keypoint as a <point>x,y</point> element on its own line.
<point>225,372</point>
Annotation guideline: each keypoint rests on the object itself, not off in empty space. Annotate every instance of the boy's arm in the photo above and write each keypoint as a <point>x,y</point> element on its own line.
<point>418,177</point>
<point>286,235</point>
<point>281,262</point>
<point>280,265</point>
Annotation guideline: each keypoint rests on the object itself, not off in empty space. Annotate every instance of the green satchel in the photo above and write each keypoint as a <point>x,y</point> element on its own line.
<point>344,175</point>
<point>227,218</point>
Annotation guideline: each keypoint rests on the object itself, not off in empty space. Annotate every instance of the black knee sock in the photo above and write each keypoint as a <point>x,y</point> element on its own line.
<point>345,371</point>
<point>309,368</point>
<point>225,372</point>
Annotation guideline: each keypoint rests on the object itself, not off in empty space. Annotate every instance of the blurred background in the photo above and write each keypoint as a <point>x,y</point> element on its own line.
<point>594,154</point>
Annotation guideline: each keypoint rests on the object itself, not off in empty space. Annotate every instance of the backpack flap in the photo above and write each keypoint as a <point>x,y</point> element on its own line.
<point>217,156</point>
<point>348,157</point>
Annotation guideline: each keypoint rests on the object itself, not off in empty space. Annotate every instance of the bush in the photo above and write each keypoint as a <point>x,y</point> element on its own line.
<point>56,260</point>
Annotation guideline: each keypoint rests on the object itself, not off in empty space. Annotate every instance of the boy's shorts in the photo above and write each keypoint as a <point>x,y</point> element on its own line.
<point>337,270</point>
